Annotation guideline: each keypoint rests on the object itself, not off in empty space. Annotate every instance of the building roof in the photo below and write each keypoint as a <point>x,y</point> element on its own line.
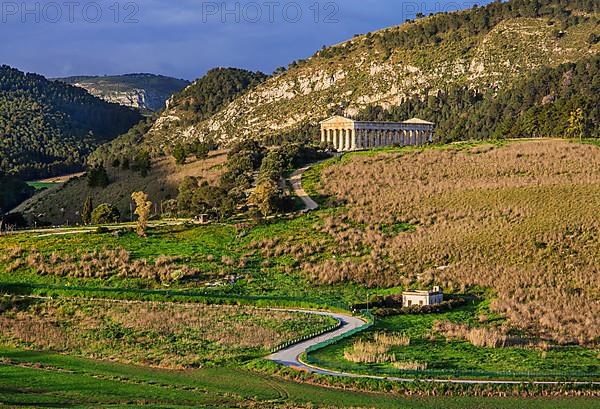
<point>339,118</point>
<point>418,121</point>
<point>422,292</point>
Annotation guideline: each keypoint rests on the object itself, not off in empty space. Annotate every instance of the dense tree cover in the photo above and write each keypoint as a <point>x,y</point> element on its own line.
<point>49,127</point>
<point>540,105</point>
<point>12,192</point>
<point>124,148</point>
<point>478,20</point>
<point>208,95</point>
<point>202,99</point>
<point>254,177</point>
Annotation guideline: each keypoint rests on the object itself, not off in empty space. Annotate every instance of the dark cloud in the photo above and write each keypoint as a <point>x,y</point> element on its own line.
<point>184,38</point>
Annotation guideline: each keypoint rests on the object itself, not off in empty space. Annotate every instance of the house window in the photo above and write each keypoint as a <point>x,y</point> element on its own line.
<point>421,302</point>
<point>409,303</point>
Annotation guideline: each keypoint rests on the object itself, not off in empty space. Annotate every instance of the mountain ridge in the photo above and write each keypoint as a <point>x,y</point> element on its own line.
<point>145,91</point>
<point>481,48</point>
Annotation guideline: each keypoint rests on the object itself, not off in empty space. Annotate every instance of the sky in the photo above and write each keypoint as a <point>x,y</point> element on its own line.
<point>186,38</point>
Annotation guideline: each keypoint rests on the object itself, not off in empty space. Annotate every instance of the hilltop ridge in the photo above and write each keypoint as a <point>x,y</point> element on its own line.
<point>148,92</point>
<point>482,49</point>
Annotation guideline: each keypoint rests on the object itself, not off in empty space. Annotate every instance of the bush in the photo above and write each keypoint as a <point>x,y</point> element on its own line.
<point>97,177</point>
<point>105,213</point>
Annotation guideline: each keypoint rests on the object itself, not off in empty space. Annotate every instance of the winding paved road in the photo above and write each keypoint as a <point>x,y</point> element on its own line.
<point>290,357</point>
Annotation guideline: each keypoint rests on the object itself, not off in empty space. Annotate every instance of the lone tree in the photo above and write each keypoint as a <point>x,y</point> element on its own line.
<point>86,211</point>
<point>575,129</point>
<point>97,177</point>
<point>142,209</point>
<point>105,213</point>
<point>266,197</point>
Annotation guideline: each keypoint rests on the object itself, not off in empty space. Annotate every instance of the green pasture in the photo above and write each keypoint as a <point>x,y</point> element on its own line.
<point>33,379</point>
<point>460,358</point>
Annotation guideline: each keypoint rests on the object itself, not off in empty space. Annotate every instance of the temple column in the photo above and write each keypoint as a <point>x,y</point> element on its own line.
<point>347,139</point>
<point>349,143</point>
<point>353,141</point>
<point>335,139</point>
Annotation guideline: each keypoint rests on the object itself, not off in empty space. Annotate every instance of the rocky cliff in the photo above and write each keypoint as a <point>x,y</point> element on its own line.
<point>146,92</point>
<point>485,48</point>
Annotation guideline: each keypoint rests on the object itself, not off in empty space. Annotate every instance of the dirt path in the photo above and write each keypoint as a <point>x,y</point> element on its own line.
<point>296,181</point>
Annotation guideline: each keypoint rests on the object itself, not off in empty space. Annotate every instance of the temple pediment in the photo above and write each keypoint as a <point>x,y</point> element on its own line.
<point>338,120</point>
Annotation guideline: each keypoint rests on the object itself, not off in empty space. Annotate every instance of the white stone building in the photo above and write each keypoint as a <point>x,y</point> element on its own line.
<point>346,134</point>
<point>422,297</point>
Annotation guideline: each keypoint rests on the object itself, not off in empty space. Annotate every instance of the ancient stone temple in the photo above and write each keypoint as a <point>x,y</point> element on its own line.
<point>346,134</point>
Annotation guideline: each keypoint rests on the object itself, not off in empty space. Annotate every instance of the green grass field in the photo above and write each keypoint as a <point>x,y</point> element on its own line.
<point>30,379</point>
<point>42,185</point>
<point>202,247</point>
<point>461,358</point>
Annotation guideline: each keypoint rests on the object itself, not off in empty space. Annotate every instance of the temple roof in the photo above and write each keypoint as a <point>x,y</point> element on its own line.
<point>339,118</point>
<point>418,121</point>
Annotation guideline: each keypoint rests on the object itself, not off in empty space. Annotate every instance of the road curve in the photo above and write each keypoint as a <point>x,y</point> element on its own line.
<point>296,181</point>
<point>290,357</point>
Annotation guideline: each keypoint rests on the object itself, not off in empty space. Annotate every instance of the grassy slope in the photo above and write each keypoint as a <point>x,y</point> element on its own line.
<point>202,247</point>
<point>55,380</point>
<point>460,358</point>
<point>160,184</point>
<point>166,335</point>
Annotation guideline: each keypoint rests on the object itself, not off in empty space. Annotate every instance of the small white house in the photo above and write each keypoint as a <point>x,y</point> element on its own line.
<point>422,297</point>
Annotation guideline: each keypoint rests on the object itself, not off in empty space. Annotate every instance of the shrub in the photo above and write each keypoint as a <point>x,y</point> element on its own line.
<point>105,213</point>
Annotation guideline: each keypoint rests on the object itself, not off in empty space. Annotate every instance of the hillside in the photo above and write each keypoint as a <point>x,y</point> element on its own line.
<point>196,103</point>
<point>160,184</point>
<point>147,92</point>
<point>483,49</point>
<point>48,127</point>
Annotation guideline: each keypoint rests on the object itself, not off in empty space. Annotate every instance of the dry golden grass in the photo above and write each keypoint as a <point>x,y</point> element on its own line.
<point>480,336</point>
<point>410,366</point>
<point>522,219</point>
<point>160,334</point>
<point>98,264</point>
<point>376,351</point>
